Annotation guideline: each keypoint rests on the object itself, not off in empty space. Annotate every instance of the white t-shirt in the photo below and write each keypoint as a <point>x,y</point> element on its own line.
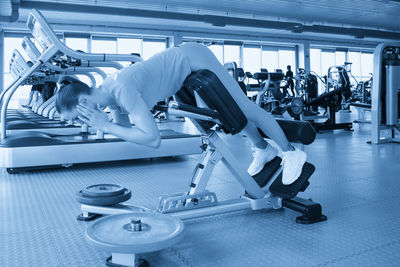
<point>154,80</point>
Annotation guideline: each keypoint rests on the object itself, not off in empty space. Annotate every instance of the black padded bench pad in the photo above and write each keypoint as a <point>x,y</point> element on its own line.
<point>215,96</point>
<point>275,76</point>
<point>296,131</point>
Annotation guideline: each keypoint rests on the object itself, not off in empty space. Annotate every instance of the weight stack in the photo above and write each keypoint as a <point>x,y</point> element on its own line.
<point>392,94</point>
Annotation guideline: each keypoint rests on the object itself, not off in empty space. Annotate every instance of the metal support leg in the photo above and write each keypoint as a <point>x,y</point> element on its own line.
<point>234,166</point>
<point>203,171</point>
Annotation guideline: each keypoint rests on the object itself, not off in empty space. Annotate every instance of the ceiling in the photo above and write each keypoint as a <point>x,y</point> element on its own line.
<point>349,19</point>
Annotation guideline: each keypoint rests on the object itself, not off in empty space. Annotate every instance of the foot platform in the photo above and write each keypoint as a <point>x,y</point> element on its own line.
<point>262,178</point>
<point>290,191</point>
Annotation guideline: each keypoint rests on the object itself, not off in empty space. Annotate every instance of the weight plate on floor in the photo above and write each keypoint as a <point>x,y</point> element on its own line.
<point>104,200</point>
<point>103,190</point>
<point>114,233</point>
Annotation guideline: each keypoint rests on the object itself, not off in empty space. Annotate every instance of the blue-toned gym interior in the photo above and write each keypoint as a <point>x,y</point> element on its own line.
<point>199,133</point>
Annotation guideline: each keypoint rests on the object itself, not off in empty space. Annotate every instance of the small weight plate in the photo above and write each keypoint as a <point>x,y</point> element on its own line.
<point>297,105</point>
<point>110,233</point>
<point>105,200</point>
<point>103,190</point>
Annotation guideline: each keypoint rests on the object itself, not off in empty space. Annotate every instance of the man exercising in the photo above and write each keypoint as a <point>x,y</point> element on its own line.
<point>137,88</point>
<point>289,79</point>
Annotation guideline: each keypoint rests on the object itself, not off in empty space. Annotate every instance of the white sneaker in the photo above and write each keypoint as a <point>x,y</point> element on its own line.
<point>292,164</point>
<point>261,157</point>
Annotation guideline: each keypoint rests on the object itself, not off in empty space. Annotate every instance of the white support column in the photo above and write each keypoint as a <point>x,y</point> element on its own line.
<point>296,59</point>
<point>303,59</point>
<point>174,40</point>
<point>1,60</point>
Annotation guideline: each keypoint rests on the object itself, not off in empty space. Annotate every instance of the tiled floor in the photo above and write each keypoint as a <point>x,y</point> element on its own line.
<point>356,183</point>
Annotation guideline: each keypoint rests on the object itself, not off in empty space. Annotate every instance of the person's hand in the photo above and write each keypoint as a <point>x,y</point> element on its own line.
<point>95,118</point>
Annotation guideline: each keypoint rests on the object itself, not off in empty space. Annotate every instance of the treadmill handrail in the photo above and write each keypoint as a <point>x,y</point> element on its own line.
<point>24,76</point>
<point>34,54</point>
<point>39,27</point>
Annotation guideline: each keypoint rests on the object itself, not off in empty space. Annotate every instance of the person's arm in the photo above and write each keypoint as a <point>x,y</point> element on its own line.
<point>145,131</point>
<point>118,118</point>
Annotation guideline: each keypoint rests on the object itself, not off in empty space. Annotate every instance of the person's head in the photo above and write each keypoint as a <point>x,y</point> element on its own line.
<point>71,93</point>
<point>289,67</point>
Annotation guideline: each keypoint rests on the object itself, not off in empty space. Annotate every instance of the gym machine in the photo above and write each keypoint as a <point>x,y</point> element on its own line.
<point>337,85</point>
<point>385,94</point>
<point>264,190</point>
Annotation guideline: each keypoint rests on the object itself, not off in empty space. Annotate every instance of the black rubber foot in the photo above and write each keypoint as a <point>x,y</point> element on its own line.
<point>90,217</point>
<point>307,220</point>
<point>312,212</point>
<point>142,263</point>
<point>12,170</point>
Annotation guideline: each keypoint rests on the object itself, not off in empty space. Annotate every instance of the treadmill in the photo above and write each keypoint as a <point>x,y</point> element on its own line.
<point>30,149</point>
<point>26,119</point>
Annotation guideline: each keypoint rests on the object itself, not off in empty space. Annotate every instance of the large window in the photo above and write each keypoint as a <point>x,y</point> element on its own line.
<point>270,59</point>
<point>218,51</point>
<point>322,59</point>
<point>104,45</point>
<point>21,95</point>
<point>77,43</point>
<point>362,64</point>
<point>361,67</point>
<point>232,53</point>
<point>315,60</point>
<point>251,58</point>
<point>286,58</point>
<point>128,46</point>
<point>328,59</point>
<point>340,57</point>
<point>355,59</point>
<point>367,65</point>
<point>152,47</point>
<point>278,58</point>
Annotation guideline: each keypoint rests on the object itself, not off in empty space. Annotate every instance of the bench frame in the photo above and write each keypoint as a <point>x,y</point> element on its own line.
<point>267,192</point>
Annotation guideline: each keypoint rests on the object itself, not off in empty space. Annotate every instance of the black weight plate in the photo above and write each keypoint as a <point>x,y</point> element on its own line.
<point>103,190</point>
<point>103,201</point>
<point>297,105</point>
